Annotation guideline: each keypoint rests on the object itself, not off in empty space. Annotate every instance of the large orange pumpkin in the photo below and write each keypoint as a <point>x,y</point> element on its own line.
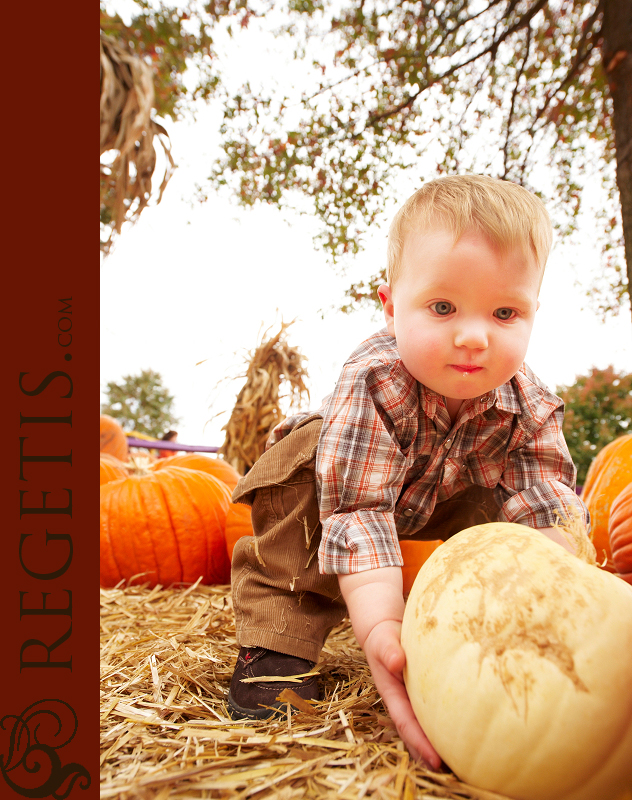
<point>164,527</point>
<point>415,554</point>
<point>214,466</point>
<point>620,533</point>
<point>111,468</point>
<point>238,524</point>
<point>113,440</point>
<point>609,473</point>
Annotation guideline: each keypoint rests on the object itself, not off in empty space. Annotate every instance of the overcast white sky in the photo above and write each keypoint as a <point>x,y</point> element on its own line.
<point>198,283</point>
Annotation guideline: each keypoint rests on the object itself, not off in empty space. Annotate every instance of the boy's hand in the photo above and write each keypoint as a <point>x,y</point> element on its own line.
<point>376,606</point>
<point>386,659</point>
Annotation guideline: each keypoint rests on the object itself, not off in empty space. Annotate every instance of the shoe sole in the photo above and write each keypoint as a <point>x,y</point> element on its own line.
<point>236,712</point>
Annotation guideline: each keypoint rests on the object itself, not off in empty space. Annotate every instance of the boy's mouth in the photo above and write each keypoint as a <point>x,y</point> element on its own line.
<point>466,369</point>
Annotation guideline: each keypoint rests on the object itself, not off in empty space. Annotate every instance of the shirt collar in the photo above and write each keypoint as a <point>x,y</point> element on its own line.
<point>430,401</point>
<point>504,398</point>
<point>507,398</point>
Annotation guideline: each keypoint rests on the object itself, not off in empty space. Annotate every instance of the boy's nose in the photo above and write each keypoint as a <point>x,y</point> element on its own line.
<point>473,336</point>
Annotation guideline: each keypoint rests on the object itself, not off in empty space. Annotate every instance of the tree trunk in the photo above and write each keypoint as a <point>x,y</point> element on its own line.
<point>616,51</point>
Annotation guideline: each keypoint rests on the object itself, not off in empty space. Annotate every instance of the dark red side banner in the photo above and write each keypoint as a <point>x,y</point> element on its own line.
<point>49,704</point>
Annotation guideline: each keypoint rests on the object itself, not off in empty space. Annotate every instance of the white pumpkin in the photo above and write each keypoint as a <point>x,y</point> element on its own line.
<point>519,665</point>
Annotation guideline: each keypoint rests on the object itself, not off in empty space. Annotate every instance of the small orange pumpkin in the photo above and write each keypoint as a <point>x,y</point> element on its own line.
<point>113,439</point>
<point>238,524</point>
<point>620,533</point>
<point>609,473</point>
<point>213,466</point>
<point>164,527</point>
<point>111,469</point>
<point>415,555</point>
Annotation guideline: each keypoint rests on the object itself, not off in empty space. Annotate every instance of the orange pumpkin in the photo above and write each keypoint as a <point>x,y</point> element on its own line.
<point>609,473</point>
<point>238,524</point>
<point>620,533</point>
<point>415,554</point>
<point>213,466</point>
<point>111,468</point>
<point>113,440</point>
<point>164,527</point>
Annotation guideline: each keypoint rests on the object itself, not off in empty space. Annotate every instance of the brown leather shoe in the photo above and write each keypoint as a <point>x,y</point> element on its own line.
<point>258,700</point>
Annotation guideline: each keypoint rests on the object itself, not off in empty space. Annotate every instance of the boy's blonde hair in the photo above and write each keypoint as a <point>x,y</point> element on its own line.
<point>507,214</point>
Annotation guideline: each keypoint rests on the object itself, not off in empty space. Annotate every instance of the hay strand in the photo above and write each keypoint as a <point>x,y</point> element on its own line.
<point>574,531</point>
<point>167,656</point>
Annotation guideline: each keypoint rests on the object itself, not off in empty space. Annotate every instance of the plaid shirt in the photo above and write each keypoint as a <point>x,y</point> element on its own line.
<point>388,453</point>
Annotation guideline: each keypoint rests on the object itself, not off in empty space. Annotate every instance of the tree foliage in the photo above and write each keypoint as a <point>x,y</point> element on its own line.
<point>141,403</point>
<point>501,87</point>
<point>534,91</point>
<point>598,410</point>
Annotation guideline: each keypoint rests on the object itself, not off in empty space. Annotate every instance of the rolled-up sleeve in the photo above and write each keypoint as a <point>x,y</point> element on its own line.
<point>537,487</point>
<point>360,469</point>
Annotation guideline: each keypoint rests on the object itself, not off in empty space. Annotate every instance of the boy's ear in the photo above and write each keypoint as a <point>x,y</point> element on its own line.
<point>386,296</point>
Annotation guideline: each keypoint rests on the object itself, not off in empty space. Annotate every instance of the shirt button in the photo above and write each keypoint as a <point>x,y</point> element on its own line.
<point>447,443</point>
<point>408,512</point>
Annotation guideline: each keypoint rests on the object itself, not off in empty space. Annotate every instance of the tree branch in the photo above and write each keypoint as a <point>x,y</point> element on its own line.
<point>564,83</point>
<point>514,95</point>
<point>577,62</point>
<point>410,99</point>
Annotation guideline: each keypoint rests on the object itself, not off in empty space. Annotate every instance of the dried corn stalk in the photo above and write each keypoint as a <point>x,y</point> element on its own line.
<point>271,366</point>
<point>127,131</point>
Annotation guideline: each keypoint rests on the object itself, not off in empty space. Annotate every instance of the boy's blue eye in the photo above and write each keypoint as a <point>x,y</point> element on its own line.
<point>504,313</point>
<point>443,308</point>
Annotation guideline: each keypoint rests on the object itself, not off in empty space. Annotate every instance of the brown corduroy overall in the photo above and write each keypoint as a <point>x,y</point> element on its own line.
<point>281,600</point>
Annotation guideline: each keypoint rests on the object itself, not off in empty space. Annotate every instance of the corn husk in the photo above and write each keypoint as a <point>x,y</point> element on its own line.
<point>128,137</point>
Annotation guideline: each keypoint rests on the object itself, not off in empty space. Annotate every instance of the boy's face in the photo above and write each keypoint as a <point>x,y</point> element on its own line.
<point>461,313</point>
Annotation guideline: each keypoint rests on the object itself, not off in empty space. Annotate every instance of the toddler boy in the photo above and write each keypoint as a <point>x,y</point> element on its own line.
<point>435,424</point>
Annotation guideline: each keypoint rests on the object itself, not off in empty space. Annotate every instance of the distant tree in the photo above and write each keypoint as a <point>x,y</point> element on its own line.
<point>598,410</point>
<point>141,403</point>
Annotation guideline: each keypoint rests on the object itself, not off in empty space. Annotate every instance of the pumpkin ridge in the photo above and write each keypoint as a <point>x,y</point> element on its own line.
<point>164,497</point>
<point>620,531</point>
<point>117,522</point>
<point>608,474</point>
<point>207,545</point>
<point>143,539</point>
<point>203,515</point>
<point>183,487</point>
<point>136,501</point>
<point>105,528</point>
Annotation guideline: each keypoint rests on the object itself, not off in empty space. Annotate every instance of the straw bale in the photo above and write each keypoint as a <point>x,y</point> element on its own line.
<point>272,367</point>
<point>167,656</point>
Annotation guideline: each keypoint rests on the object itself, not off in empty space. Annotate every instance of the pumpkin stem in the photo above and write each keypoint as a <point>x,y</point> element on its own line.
<point>137,465</point>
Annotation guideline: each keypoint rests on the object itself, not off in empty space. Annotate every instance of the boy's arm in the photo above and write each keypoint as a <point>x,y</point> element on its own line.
<point>555,535</point>
<point>375,602</point>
